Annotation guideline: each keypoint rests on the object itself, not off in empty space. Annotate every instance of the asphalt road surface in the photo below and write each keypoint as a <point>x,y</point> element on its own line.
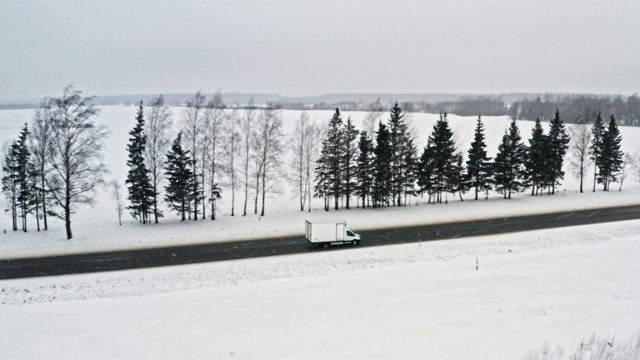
<point>191,254</point>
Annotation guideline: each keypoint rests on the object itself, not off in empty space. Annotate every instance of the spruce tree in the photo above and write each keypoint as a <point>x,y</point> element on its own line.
<point>557,145</point>
<point>536,159</point>
<point>348,161</point>
<point>508,170</point>
<point>138,180</point>
<point>611,157</point>
<point>321,188</point>
<point>382,172</point>
<point>425,171</point>
<point>179,178</point>
<point>456,176</point>
<point>409,169</point>
<point>18,183</point>
<point>478,174</point>
<point>11,181</point>
<point>334,156</point>
<point>26,189</point>
<point>443,149</point>
<point>598,133</point>
<point>397,138</point>
<point>364,168</point>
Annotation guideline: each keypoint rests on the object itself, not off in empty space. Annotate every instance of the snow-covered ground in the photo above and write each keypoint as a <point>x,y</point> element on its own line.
<point>415,301</point>
<point>96,229</point>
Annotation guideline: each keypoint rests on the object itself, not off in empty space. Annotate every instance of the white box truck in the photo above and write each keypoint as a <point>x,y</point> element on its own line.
<point>325,234</point>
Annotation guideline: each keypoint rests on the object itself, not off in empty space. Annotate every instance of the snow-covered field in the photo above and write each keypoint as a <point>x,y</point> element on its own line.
<point>416,301</point>
<point>96,229</point>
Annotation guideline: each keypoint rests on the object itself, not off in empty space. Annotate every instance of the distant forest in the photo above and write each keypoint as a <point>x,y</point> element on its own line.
<point>519,106</point>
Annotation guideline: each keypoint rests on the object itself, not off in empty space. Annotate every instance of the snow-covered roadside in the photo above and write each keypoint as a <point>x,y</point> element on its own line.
<point>106,236</point>
<point>406,301</point>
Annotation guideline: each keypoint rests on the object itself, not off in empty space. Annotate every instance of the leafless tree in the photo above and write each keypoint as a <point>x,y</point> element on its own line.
<point>116,193</point>
<point>297,175</point>
<point>159,136</point>
<point>624,169</point>
<point>74,154</point>
<point>580,135</point>
<point>311,152</point>
<point>192,125</point>
<point>38,143</point>
<point>231,148</point>
<point>634,165</point>
<point>370,121</point>
<point>271,151</point>
<point>247,121</point>
<point>214,118</point>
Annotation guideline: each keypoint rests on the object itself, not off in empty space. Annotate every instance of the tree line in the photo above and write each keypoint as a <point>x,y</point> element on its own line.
<point>386,169</point>
<point>55,165</point>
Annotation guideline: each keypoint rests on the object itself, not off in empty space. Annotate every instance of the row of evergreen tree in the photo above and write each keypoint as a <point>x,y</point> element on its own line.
<point>390,170</point>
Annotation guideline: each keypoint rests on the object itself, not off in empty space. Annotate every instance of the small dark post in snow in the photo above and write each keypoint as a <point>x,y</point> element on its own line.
<point>476,263</point>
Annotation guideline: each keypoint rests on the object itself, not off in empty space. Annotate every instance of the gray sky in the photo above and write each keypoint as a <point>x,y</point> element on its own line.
<point>310,47</point>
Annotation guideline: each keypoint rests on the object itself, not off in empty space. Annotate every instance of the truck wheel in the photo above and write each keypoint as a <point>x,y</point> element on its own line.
<point>354,242</point>
<point>325,245</point>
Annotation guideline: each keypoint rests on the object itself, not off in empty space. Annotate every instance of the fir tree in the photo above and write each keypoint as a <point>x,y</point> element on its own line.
<point>382,174</point>
<point>598,132</point>
<point>179,178</point>
<point>139,183</point>
<point>397,141</point>
<point>364,168</point>
<point>557,145</point>
<point>611,155</point>
<point>478,174</point>
<point>349,152</point>
<point>536,159</point>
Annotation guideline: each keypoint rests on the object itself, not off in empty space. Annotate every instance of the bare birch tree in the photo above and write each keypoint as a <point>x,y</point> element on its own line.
<point>212,164</point>
<point>74,154</point>
<point>272,149</point>
<point>580,135</point>
<point>231,148</point>
<point>298,174</point>
<point>192,125</point>
<point>311,153</point>
<point>158,132</point>
<point>371,120</point>
<point>624,169</point>
<point>116,193</point>
<point>304,147</point>
<point>634,165</point>
<point>247,121</point>
<point>38,144</point>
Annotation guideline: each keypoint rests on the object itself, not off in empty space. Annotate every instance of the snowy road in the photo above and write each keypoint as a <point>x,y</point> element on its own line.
<point>180,255</point>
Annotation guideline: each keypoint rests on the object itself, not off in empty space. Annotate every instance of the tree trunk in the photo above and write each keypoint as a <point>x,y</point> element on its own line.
<point>264,190</point>
<point>44,204</point>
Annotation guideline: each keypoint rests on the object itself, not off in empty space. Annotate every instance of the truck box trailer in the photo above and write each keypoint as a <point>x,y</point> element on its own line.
<point>325,234</point>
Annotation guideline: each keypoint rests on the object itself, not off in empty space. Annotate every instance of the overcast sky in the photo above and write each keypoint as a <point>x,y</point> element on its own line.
<point>311,47</point>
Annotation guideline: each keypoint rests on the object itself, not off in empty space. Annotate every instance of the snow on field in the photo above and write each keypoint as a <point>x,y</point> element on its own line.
<point>415,301</point>
<point>96,229</point>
